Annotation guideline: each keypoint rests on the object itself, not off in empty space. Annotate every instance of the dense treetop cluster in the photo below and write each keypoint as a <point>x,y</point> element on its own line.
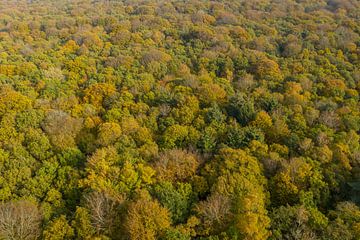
<point>179,119</point>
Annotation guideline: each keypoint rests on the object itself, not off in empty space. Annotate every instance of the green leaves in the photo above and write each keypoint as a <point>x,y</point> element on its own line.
<point>180,120</point>
<point>176,198</point>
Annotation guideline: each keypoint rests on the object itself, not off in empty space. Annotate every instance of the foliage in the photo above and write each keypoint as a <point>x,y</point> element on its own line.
<point>179,119</point>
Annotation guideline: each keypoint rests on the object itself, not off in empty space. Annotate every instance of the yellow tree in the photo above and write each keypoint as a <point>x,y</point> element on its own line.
<point>146,219</point>
<point>238,176</point>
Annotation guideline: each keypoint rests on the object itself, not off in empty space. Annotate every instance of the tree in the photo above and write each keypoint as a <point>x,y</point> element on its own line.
<point>175,136</point>
<point>238,176</point>
<point>215,213</point>
<point>82,224</point>
<point>104,211</point>
<point>241,108</point>
<point>345,222</point>
<point>29,119</point>
<point>292,223</point>
<point>211,93</point>
<point>105,174</point>
<point>176,198</point>
<point>96,94</point>
<point>12,100</point>
<point>58,229</point>
<point>37,144</point>
<point>176,165</point>
<point>181,119</point>
<point>20,220</point>
<point>61,128</point>
<point>268,69</point>
<point>108,133</point>
<point>146,219</point>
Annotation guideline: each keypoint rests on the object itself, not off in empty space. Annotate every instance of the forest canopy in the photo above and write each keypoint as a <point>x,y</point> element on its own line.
<point>183,120</point>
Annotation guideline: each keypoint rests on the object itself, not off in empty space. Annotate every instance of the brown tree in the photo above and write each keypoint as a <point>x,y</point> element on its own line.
<point>19,221</point>
<point>176,164</point>
<point>103,210</point>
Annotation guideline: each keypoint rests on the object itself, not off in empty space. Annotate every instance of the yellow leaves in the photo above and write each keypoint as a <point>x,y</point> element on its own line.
<point>148,151</point>
<point>303,171</point>
<point>108,133</point>
<point>241,180</point>
<point>341,154</point>
<point>129,176</point>
<point>101,170</point>
<point>285,190</point>
<point>58,229</point>
<point>352,93</point>
<point>262,121</point>
<point>212,92</point>
<point>240,34</point>
<point>297,68</point>
<point>356,229</point>
<point>146,219</point>
<point>68,104</point>
<point>69,47</point>
<point>120,37</point>
<point>27,69</point>
<point>143,136</point>
<point>280,128</point>
<point>202,17</point>
<point>299,122</point>
<point>189,227</point>
<point>203,33</point>
<point>175,136</point>
<point>336,84</point>
<point>77,109</point>
<point>253,226</point>
<point>236,159</point>
<point>107,172</point>
<point>257,148</point>
<point>3,55</point>
<point>204,77</point>
<point>281,149</point>
<point>96,93</point>
<point>91,122</point>
<point>268,69</point>
<point>92,41</point>
<point>10,100</point>
<point>146,174</point>
<point>183,71</point>
<point>297,176</point>
<point>293,87</point>
<point>157,37</point>
<point>351,47</point>
<point>7,69</point>
<point>293,94</point>
<point>108,155</point>
<point>323,154</point>
<point>335,87</point>
<point>129,125</point>
<point>187,111</point>
<point>185,114</point>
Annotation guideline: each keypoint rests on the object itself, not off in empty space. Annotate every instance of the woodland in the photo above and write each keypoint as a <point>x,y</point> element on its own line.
<point>179,120</point>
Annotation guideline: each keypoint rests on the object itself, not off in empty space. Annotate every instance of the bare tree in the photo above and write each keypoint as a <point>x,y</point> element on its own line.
<point>19,221</point>
<point>103,210</point>
<point>215,211</point>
